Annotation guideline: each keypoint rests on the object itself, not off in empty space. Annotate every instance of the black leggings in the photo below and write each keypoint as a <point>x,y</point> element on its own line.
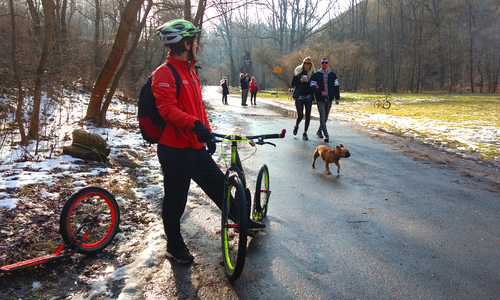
<point>224,98</point>
<point>179,166</point>
<point>253,95</point>
<point>300,112</point>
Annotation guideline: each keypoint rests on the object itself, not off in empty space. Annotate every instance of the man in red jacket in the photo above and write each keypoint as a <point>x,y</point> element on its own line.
<point>181,149</point>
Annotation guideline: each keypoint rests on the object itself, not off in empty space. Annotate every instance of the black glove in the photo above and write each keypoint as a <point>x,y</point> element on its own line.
<point>211,147</point>
<point>204,136</point>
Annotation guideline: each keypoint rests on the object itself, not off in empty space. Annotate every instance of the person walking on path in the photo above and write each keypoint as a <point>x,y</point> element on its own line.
<point>254,88</point>
<point>245,86</point>
<point>325,86</point>
<point>225,89</point>
<point>182,149</point>
<point>301,82</point>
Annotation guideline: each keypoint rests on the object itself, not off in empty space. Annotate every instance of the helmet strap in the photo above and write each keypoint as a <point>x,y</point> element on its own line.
<point>191,54</point>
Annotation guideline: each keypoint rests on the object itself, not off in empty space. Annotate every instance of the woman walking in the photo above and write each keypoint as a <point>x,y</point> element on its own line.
<point>225,89</point>
<point>254,88</point>
<point>302,94</point>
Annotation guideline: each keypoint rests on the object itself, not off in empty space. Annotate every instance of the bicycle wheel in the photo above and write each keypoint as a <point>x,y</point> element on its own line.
<point>386,104</point>
<point>262,194</point>
<point>376,104</point>
<point>234,232</point>
<point>80,208</point>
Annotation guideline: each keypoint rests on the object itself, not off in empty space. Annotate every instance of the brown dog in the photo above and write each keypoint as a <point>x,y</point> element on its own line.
<point>330,155</point>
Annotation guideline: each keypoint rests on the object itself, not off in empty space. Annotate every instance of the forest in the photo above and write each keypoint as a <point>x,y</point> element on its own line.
<point>107,48</point>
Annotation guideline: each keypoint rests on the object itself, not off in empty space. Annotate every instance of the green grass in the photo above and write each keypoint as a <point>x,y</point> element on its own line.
<point>450,120</point>
<point>472,109</point>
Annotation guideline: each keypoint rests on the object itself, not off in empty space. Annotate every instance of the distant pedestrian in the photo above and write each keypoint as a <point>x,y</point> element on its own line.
<point>254,88</point>
<point>225,89</point>
<point>325,86</point>
<point>245,86</point>
<point>302,94</point>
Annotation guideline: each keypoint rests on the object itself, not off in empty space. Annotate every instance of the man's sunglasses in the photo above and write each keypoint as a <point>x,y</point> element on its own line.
<point>324,62</point>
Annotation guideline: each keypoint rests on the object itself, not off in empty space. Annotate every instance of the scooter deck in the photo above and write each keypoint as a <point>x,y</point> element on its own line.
<point>30,263</point>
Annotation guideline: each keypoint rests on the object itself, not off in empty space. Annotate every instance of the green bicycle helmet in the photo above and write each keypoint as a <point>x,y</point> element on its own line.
<point>174,31</point>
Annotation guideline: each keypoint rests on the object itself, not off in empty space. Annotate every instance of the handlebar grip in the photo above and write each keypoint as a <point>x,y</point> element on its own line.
<point>275,135</point>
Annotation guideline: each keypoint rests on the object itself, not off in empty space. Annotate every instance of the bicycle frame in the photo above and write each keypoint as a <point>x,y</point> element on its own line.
<point>236,164</point>
<point>383,102</point>
<point>237,197</point>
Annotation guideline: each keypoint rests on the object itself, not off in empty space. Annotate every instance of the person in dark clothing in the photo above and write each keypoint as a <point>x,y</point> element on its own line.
<point>302,94</point>
<point>325,86</point>
<point>182,149</point>
<point>225,89</point>
<point>245,86</point>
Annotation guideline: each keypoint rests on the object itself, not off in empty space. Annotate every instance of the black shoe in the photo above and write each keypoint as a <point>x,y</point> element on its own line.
<point>295,129</point>
<point>319,134</point>
<point>180,254</point>
<point>304,136</point>
<point>255,226</point>
<point>326,139</point>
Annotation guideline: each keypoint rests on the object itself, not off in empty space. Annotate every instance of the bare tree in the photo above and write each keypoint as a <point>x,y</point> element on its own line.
<point>114,58</point>
<point>17,78</point>
<point>48,6</point>
<point>97,22</point>
<point>225,31</point>
<point>35,18</point>
<point>128,57</point>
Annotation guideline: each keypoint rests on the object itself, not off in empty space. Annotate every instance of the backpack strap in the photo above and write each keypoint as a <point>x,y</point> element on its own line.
<point>177,78</point>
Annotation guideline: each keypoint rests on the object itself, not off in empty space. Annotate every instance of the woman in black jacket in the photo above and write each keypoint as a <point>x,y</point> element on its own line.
<point>302,94</point>
<point>225,89</point>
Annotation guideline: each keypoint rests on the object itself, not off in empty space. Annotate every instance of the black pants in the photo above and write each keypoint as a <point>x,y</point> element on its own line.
<point>300,105</point>
<point>253,97</point>
<point>179,166</point>
<point>224,98</point>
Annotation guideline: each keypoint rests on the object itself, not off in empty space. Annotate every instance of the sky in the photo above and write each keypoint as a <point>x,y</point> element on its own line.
<point>340,6</point>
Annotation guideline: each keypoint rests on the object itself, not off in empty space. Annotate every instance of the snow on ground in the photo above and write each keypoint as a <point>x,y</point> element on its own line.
<point>461,139</point>
<point>18,171</point>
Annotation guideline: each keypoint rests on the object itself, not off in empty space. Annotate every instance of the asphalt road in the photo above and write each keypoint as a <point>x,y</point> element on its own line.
<point>387,227</point>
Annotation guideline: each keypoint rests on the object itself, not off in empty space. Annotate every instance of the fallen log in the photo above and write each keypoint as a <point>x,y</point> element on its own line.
<point>87,146</point>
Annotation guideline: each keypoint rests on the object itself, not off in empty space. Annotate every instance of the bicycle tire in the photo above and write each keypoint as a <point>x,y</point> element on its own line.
<point>376,104</point>
<point>386,104</point>
<point>262,194</point>
<point>234,235</point>
<point>82,206</point>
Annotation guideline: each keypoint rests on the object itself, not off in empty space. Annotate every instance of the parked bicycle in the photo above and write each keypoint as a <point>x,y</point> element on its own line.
<point>237,206</point>
<point>88,223</point>
<point>382,102</point>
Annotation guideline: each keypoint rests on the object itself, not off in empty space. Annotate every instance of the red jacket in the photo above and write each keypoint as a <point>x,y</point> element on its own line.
<point>181,113</point>
<point>254,86</point>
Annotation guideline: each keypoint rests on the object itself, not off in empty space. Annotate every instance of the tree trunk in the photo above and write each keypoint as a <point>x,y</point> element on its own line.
<point>36,18</point>
<point>102,115</point>
<point>187,10</point>
<point>109,68</point>
<point>97,60</point>
<point>471,62</point>
<point>200,12</point>
<point>15,67</point>
<point>40,71</point>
